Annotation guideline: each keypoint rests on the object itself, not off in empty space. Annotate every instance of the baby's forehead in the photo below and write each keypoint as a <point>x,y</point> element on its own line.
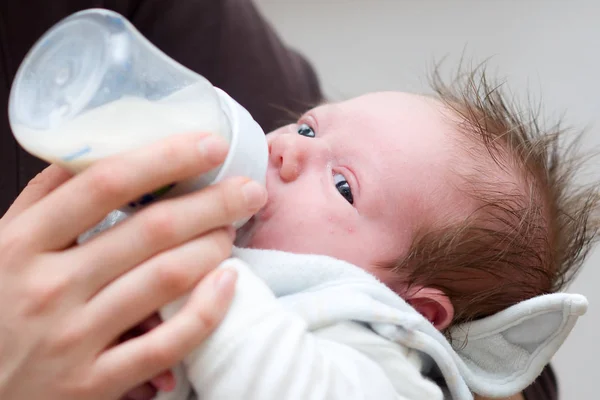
<point>412,140</point>
<point>384,100</point>
<point>431,129</point>
<point>398,112</point>
<point>423,123</point>
<point>390,116</point>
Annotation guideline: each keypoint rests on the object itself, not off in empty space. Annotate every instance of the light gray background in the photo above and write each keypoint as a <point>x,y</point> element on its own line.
<point>550,48</point>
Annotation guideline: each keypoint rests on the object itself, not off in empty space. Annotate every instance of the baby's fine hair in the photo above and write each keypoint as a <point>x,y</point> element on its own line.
<point>526,238</point>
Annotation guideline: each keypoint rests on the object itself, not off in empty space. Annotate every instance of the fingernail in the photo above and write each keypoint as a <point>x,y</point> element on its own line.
<point>213,148</point>
<point>225,280</point>
<point>165,381</point>
<point>254,194</point>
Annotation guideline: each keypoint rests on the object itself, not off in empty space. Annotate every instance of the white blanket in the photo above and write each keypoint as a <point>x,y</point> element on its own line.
<point>495,356</point>
<point>504,353</point>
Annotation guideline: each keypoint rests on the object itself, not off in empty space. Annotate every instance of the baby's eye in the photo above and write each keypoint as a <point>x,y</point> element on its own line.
<point>306,130</point>
<point>342,185</point>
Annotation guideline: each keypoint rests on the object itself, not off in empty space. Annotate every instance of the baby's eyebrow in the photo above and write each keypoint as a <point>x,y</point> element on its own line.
<point>293,116</point>
<point>323,113</point>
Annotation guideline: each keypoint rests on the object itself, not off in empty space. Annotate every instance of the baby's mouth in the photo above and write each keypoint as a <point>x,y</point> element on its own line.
<point>245,233</point>
<point>265,212</point>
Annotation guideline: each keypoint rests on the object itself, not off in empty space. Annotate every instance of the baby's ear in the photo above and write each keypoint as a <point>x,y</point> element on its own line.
<point>505,352</point>
<point>433,304</point>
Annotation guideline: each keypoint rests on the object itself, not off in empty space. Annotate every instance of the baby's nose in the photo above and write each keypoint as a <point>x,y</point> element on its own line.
<point>287,155</point>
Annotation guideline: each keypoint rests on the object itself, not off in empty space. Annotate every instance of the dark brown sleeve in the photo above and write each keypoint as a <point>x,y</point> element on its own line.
<point>545,387</point>
<point>227,41</point>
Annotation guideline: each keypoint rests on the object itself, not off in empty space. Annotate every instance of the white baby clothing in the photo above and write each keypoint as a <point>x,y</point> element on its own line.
<point>313,327</point>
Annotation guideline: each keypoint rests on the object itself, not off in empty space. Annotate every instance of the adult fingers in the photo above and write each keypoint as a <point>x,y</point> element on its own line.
<point>39,187</point>
<point>57,220</point>
<point>162,279</point>
<point>139,359</point>
<point>165,225</point>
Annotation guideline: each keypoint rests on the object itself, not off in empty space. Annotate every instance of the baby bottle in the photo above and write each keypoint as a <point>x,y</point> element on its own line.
<point>93,86</point>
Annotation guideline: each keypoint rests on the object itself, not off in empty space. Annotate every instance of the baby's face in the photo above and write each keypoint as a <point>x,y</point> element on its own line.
<point>354,180</point>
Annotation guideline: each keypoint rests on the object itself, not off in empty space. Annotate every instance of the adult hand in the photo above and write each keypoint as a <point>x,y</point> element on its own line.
<point>64,307</point>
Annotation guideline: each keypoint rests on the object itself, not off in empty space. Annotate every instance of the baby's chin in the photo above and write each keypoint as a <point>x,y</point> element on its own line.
<point>250,234</point>
<point>244,233</point>
<point>255,234</point>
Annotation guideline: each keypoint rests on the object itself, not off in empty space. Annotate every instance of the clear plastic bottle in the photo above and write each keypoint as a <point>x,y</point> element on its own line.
<point>93,86</point>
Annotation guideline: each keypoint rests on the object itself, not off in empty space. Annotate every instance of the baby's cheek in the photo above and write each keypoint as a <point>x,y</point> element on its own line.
<point>343,239</point>
<point>346,222</point>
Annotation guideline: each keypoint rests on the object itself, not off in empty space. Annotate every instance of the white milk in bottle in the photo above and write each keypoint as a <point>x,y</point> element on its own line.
<point>93,87</point>
<point>127,123</point>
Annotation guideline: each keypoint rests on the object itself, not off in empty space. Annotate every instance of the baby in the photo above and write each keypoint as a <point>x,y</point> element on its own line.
<point>458,203</point>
